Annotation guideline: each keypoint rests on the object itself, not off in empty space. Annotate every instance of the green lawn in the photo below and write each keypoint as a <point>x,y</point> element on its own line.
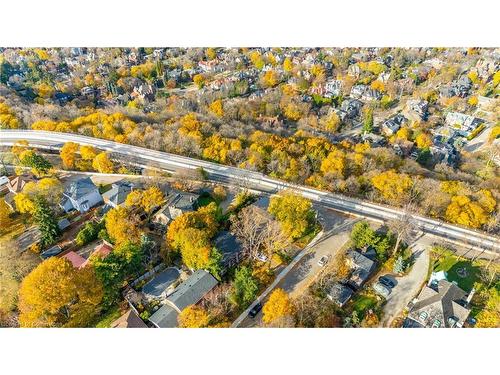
<point>464,272</point>
<point>362,302</point>
<point>205,200</point>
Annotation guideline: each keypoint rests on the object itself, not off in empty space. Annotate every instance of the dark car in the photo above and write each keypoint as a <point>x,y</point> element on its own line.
<point>387,281</point>
<point>255,310</point>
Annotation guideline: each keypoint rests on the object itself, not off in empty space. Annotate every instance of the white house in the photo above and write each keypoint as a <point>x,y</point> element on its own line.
<point>81,195</point>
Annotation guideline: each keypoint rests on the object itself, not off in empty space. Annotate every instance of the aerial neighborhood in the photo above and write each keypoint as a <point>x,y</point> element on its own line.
<point>247,187</point>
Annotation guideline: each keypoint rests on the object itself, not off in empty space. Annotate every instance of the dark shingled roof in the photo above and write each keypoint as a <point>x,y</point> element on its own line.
<point>80,188</point>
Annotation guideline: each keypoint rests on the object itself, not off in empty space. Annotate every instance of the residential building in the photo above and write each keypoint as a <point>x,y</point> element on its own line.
<point>190,292</point>
<point>81,195</point>
<point>339,293</point>
<point>129,320</point>
<point>393,124</point>
<point>441,304</point>
<point>230,247</point>
<point>177,204</point>
<point>362,268</point>
<point>417,109</point>
<point>16,183</point>
<point>351,107</point>
<point>462,123</point>
<point>76,259</point>
<point>118,193</point>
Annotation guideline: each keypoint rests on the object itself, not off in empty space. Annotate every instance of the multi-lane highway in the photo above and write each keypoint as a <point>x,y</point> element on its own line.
<point>254,180</point>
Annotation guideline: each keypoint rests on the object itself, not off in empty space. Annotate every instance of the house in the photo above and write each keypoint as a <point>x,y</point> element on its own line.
<point>442,151</point>
<point>129,320</point>
<point>362,267</point>
<point>441,304</point>
<point>16,183</point>
<point>76,259</point>
<point>176,205</point>
<point>190,292</point>
<point>102,250</point>
<point>392,125</point>
<point>339,293</point>
<point>118,193</point>
<point>81,195</point>
<point>371,95</point>
<point>462,123</point>
<point>333,88</point>
<point>161,284</point>
<point>460,88</point>
<point>357,91</point>
<point>63,224</point>
<point>417,109</point>
<point>230,247</point>
<point>351,107</point>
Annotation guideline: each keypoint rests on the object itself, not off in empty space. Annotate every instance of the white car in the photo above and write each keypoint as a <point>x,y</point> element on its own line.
<point>323,261</point>
<point>261,257</point>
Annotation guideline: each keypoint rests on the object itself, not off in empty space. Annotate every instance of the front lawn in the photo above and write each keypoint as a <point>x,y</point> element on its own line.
<point>362,302</point>
<point>109,317</point>
<point>463,271</point>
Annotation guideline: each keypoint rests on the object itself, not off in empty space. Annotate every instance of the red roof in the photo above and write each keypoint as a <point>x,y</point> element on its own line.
<point>76,260</point>
<point>102,250</point>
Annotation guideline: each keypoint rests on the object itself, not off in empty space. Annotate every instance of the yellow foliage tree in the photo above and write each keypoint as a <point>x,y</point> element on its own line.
<point>193,317</point>
<point>8,119</point>
<point>49,188</point>
<point>102,164</point>
<point>55,294</point>
<point>153,197</point>
<point>334,164</point>
<point>277,307</point>
<point>392,185</point>
<point>122,226</point>
<point>199,80</point>
<point>216,108</point>
<point>463,211</point>
<point>423,141</point>
<point>270,78</point>
<point>210,53</point>
<point>287,65</point>
<point>68,154</point>
<point>134,199</point>
<point>5,212</point>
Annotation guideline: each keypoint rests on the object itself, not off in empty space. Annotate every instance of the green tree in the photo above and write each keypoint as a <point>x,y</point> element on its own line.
<point>294,213</point>
<point>215,263</point>
<point>368,121</point>
<point>38,163</point>
<point>399,265</point>
<point>362,234</point>
<point>88,233</point>
<point>245,287</point>
<point>46,221</point>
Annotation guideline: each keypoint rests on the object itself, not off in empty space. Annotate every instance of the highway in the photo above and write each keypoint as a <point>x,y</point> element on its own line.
<point>253,180</point>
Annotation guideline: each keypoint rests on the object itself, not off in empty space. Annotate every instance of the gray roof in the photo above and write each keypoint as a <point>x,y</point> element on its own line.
<point>228,245</point>
<point>183,201</point>
<point>360,260</point>
<point>190,292</point>
<point>440,303</point>
<point>80,188</point>
<point>339,293</point>
<point>161,282</point>
<point>118,193</point>
<point>63,224</point>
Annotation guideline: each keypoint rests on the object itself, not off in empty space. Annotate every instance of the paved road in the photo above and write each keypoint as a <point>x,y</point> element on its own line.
<point>220,173</point>
<point>409,285</point>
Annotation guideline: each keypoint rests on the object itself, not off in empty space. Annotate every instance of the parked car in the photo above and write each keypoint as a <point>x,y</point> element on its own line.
<point>323,261</point>
<point>255,310</point>
<point>387,281</point>
<point>261,257</point>
<point>381,289</point>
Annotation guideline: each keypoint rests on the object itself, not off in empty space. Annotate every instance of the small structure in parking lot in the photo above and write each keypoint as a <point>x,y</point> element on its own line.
<point>339,293</point>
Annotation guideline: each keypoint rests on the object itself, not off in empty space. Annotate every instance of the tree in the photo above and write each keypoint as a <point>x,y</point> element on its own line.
<point>193,317</point>
<point>245,287</point>
<point>5,212</point>
<point>334,164</point>
<point>49,188</point>
<point>134,199</point>
<point>489,316</point>
<point>195,248</point>
<point>55,294</point>
<point>368,121</point>
<point>210,53</point>
<point>399,265</point>
<point>199,80</point>
<point>423,141</point>
<point>68,154</point>
<point>392,185</point>
<point>122,226</point>
<point>278,307</point>
<point>219,193</point>
<point>463,211</point>
<point>88,233</point>
<point>287,65</point>
<point>217,108</point>
<point>248,225</point>
<point>46,221</point>
<point>102,164</point>
<point>362,234</point>
<point>151,198</point>
<point>294,213</point>
<point>403,226</point>
<point>38,164</point>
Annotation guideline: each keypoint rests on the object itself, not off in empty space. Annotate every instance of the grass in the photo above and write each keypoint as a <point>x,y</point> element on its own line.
<point>453,265</point>
<point>205,200</point>
<point>108,317</point>
<point>305,239</point>
<point>363,302</point>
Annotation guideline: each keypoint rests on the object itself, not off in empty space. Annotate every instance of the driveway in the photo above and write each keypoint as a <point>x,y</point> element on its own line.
<point>409,285</point>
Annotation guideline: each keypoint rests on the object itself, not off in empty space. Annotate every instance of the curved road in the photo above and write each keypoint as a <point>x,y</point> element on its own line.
<point>147,158</point>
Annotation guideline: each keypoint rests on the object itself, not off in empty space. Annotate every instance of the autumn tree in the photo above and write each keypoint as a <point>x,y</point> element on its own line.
<point>152,198</point>
<point>48,188</point>
<point>368,121</point>
<point>217,108</point>
<point>392,185</point>
<point>294,213</point>
<point>5,212</point>
<point>193,317</point>
<point>102,163</point>
<point>199,80</point>
<point>423,141</point>
<point>55,294</point>
<point>244,288</point>
<point>334,164</point>
<point>122,226</point>
<point>38,164</point>
<point>362,234</point>
<point>68,154</point>
<point>278,307</point>
<point>462,210</point>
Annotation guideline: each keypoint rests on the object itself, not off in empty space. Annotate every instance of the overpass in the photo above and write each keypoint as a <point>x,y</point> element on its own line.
<point>254,180</point>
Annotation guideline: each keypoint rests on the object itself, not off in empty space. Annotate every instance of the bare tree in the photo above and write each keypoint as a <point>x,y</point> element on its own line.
<point>249,227</point>
<point>403,226</point>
